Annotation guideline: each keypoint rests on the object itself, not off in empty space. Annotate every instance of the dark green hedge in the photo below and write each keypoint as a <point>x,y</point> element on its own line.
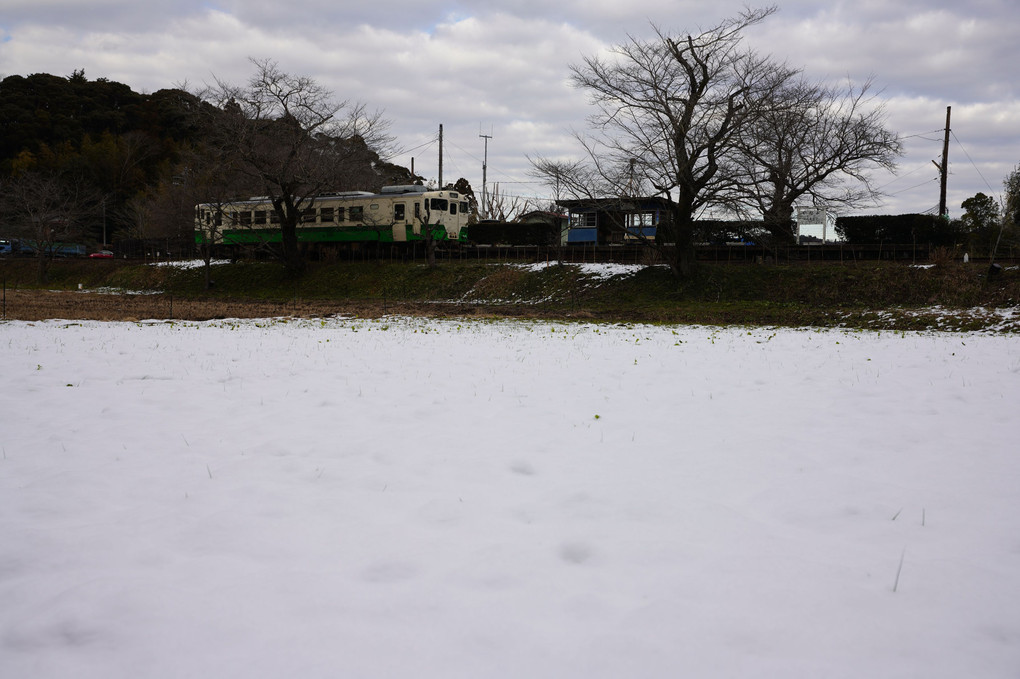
<point>908,228</point>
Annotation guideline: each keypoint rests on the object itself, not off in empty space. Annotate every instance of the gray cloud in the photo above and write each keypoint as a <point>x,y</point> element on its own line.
<point>502,67</point>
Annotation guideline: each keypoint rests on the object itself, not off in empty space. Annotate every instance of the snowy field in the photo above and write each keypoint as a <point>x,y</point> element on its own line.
<point>424,498</point>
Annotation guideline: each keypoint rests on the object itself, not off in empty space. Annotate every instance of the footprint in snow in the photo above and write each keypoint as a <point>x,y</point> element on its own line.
<point>576,552</point>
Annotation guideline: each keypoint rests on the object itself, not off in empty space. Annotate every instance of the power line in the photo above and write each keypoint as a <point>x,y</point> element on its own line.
<point>902,176</point>
<point>955,138</point>
<point>922,135</point>
<point>896,193</point>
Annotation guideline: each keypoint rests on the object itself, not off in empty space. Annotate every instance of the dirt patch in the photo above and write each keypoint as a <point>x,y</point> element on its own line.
<point>36,305</point>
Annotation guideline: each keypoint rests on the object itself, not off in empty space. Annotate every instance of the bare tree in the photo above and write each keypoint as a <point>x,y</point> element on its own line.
<point>505,208</point>
<point>210,177</point>
<point>814,144</point>
<point>293,141</point>
<point>45,210</point>
<point>669,116</point>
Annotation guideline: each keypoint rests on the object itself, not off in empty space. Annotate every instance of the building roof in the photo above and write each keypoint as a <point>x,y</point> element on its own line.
<point>623,204</point>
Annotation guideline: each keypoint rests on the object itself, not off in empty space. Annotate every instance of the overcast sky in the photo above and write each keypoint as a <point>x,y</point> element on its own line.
<point>500,68</point>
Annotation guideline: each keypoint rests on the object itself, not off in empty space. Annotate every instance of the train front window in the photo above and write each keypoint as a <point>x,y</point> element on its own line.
<point>439,205</point>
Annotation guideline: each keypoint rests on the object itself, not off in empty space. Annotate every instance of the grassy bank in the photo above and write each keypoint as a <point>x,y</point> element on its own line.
<point>864,295</point>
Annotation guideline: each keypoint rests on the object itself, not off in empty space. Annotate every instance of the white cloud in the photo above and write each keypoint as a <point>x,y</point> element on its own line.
<point>503,66</point>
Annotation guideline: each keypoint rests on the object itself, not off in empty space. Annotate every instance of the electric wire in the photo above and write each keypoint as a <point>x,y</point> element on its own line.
<point>976,169</point>
<point>917,186</point>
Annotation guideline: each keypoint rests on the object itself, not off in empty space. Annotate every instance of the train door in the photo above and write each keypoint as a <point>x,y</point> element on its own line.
<point>438,214</point>
<point>399,222</point>
<point>417,219</point>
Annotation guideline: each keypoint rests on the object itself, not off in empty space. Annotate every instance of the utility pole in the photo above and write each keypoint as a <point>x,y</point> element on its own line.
<point>440,157</point>
<point>485,167</point>
<point>944,169</point>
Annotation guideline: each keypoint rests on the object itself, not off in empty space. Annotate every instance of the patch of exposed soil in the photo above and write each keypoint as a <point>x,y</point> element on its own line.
<point>36,305</point>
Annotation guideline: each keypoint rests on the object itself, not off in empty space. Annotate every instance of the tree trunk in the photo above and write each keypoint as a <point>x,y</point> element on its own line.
<point>290,252</point>
<point>208,270</point>
<point>430,251</point>
<point>681,261</point>
<point>778,221</point>
<point>675,239</point>
<point>43,270</point>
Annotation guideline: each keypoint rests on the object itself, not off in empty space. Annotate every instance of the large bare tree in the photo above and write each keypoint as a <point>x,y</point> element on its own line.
<point>207,175</point>
<point>669,114</point>
<point>45,209</point>
<point>814,145</point>
<point>293,140</point>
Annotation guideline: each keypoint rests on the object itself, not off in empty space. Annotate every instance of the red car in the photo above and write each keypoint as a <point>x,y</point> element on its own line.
<point>102,254</point>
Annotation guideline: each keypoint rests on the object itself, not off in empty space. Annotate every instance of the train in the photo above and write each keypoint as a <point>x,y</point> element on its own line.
<point>397,214</point>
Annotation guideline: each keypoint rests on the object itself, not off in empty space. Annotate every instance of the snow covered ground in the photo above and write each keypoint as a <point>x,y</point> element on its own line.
<point>426,498</point>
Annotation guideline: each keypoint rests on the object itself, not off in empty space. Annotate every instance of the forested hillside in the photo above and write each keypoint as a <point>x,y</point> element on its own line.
<point>112,163</point>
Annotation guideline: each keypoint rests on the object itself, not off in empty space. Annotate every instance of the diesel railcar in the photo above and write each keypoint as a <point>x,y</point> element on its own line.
<point>397,214</point>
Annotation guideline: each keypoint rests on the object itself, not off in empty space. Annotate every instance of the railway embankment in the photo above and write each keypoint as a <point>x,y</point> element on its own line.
<point>883,296</point>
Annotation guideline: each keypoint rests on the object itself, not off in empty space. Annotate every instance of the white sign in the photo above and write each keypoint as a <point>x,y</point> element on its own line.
<point>810,215</point>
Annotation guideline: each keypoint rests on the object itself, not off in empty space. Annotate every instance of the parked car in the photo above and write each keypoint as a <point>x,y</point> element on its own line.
<point>102,254</point>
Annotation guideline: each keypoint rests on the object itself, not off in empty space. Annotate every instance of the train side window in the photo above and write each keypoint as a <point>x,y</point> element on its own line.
<point>308,215</point>
<point>260,216</point>
<point>357,213</point>
<point>417,210</point>
<point>339,214</point>
<point>398,212</point>
<point>274,218</point>
<point>326,215</point>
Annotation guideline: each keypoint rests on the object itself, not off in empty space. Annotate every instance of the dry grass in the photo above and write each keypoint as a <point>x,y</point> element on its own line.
<point>874,296</point>
<point>37,305</point>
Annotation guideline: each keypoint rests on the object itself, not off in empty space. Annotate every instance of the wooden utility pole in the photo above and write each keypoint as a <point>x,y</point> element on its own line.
<point>944,169</point>
<point>440,157</point>
<point>485,167</point>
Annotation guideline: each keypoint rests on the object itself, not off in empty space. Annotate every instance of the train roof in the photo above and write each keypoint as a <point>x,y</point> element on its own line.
<point>386,191</point>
